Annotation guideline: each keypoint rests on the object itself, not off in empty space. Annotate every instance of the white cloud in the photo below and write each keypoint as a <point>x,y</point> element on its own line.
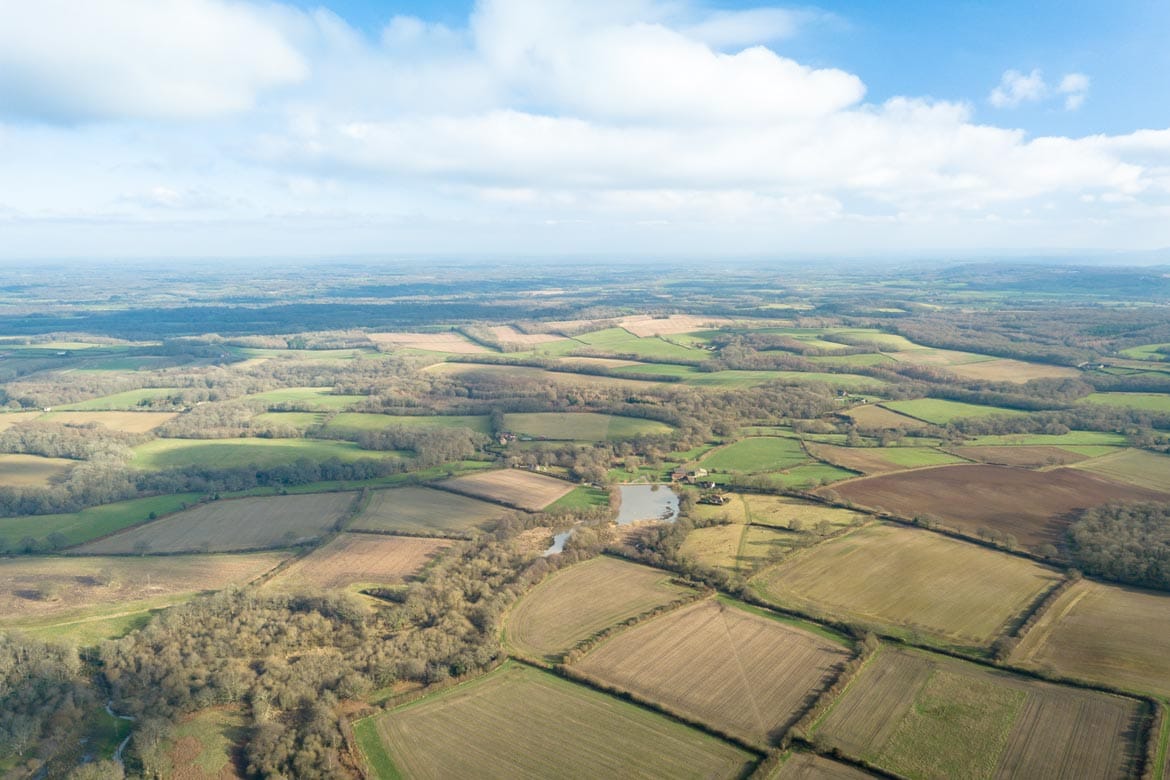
<point>71,60</point>
<point>1016,88</point>
<point>553,124</point>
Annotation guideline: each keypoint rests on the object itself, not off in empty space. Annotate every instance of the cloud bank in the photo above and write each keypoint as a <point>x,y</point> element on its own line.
<point>538,126</point>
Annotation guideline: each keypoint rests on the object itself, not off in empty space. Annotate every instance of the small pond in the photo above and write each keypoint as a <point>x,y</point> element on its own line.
<point>639,502</point>
<point>647,502</point>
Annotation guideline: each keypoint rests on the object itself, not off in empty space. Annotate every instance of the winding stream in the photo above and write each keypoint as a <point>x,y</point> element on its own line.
<point>124,742</point>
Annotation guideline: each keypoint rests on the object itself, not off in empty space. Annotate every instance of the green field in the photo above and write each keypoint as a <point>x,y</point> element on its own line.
<point>91,523</point>
<point>234,453</point>
<point>658,369</point>
<point>1147,352</point>
<point>131,399</point>
<point>940,412</point>
<point>582,426</point>
<point>923,715</point>
<point>1070,439</point>
<point>584,497</point>
<point>619,341</point>
<point>923,582</point>
<point>809,475</point>
<point>310,398</point>
<point>423,510</point>
<point>358,421</point>
<point>520,722</point>
<point>754,455</point>
<point>1135,467</point>
<point>1147,402</point>
<point>737,378</point>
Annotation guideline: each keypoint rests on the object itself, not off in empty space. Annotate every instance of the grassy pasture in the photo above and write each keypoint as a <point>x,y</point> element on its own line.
<point>1070,439</point>
<point>358,421</point>
<point>877,417</point>
<point>1104,633</point>
<point>1008,370</point>
<point>8,419</point>
<point>93,522</point>
<point>359,560</point>
<point>423,510</point>
<point>619,341</point>
<point>923,715</point>
<point>32,470</point>
<point>1146,352</point>
<point>742,672</point>
<point>582,426</point>
<point>876,460</point>
<point>645,325</point>
<point>808,476</point>
<point>716,545</point>
<point>866,359</point>
<point>1135,467</point>
<point>128,401</point>
<point>58,596</point>
<point>318,399</point>
<point>512,487</point>
<point>584,497</point>
<point>231,453</point>
<point>939,357</point>
<point>1024,457</point>
<point>781,511</point>
<point>757,454</point>
<point>129,422</point>
<point>302,421</point>
<point>1148,402</point>
<point>920,581</point>
<point>1032,506</point>
<point>940,412</point>
<point>203,745</point>
<point>530,374</point>
<point>734,378</point>
<point>231,524</point>
<point>520,722</point>
<point>575,603</point>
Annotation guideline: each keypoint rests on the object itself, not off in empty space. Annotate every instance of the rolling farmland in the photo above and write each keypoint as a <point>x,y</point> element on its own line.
<point>359,560</point>
<point>1104,633</point>
<point>940,412</point>
<point>743,673</point>
<point>921,581</point>
<point>1147,470</point>
<point>1022,457</point>
<point>582,426</point>
<point>511,487</point>
<point>424,510</point>
<point>877,460</point>
<point>879,418</point>
<point>520,722</point>
<point>32,470</point>
<point>449,341</point>
<point>232,524</point>
<point>227,453</point>
<point>756,454</point>
<point>809,766</point>
<point>928,716</point>
<point>576,603</point>
<point>129,422</point>
<point>1033,506</point>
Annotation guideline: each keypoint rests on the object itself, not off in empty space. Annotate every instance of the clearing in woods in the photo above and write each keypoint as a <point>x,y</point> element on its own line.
<point>231,524</point>
<point>52,595</point>
<point>519,722</point>
<point>1008,370</point>
<point>314,399</point>
<point>32,470</point>
<point>888,575</point>
<point>744,673</point>
<point>234,453</point>
<point>416,510</point>
<point>924,715</point>
<point>576,603</point>
<point>128,422</point>
<point>202,746</point>
<point>582,426</point>
<point>1105,633</point>
<point>359,560</point>
<point>1033,506</point>
<point>1150,402</point>
<point>872,416</point>
<point>511,487</point>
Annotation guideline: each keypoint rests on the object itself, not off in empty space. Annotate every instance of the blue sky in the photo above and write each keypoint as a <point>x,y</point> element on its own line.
<point>155,128</point>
